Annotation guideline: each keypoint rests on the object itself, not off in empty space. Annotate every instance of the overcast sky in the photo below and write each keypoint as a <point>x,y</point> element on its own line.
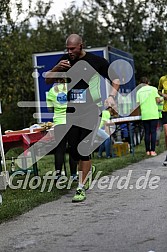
<point>57,6</point>
<point>60,5</point>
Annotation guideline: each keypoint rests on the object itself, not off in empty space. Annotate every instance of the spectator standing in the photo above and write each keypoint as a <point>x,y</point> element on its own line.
<point>148,97</point>
<point>162,90</point>
<point>160,124</point>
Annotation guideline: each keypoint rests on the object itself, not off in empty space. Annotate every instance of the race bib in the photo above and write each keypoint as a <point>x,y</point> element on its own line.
<point>78,96</point>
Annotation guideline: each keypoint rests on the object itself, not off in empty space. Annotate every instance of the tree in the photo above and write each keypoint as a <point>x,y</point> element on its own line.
<point>16,82</point>
<point>138,27</point>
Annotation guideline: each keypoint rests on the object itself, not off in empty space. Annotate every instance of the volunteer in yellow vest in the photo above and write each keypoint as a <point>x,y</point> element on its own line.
<point>162,90</point>
<point>57,100</point>
<point>148,97</point>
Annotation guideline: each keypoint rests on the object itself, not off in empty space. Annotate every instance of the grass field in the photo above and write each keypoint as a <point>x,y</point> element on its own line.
<point>18,201</point>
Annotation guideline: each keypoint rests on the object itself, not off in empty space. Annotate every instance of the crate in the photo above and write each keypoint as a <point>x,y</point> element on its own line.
<point>120,149</point>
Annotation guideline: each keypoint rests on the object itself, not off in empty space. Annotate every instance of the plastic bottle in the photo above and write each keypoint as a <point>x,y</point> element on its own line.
<point>12,164</point>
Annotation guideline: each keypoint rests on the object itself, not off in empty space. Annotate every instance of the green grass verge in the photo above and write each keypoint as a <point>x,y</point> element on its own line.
<point>19,201</point>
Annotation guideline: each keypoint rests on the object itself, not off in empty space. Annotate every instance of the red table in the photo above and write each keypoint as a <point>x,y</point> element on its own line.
<point>24,140</point>
<point>21,140</point>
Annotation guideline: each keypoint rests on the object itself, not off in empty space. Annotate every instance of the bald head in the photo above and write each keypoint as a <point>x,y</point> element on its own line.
<point>74,47</point>
<point>74,39</point>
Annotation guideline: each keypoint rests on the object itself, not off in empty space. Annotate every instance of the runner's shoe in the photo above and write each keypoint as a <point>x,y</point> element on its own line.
<point>90,178</point>
<point>79,195</point>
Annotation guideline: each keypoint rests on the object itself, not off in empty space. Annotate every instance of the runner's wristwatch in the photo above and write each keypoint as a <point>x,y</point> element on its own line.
<point>113,96</point>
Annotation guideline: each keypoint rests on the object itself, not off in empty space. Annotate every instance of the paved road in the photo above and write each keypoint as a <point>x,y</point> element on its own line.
<point>110,220</point>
